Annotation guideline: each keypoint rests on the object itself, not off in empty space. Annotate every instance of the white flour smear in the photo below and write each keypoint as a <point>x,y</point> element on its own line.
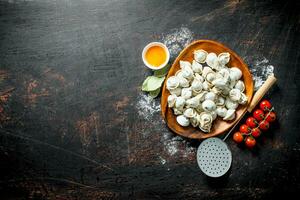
<point>260,70</point>
<point>171,146</point>
<point>147,107</point>
<point>177,144</point>
<point>162,160</point>
<point>177,40</point>
<point>149,110</point>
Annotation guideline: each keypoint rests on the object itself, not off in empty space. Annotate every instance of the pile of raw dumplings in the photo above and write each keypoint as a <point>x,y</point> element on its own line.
<point>204,89</point>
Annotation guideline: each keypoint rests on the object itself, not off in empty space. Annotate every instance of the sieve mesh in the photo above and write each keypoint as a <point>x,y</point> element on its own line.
<point>213,157</point>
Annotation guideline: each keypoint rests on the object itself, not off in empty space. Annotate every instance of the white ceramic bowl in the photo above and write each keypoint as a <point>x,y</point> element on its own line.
<point>160,45</point>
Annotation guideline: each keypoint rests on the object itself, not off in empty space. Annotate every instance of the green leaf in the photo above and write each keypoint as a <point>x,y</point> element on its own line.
<point>162,72</point>
<point>154,83</point>
<point>154,93</point>
<point>145,84</point>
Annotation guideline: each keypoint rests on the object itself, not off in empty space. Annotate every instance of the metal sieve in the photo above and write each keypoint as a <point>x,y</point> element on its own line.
<point>214,157</point>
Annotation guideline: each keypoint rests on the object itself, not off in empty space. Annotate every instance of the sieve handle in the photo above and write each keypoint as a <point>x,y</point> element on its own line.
<point>261,92</point>
<point>236,123</point>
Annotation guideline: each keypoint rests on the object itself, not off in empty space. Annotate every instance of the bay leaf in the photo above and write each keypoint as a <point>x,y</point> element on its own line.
<point>154,83</point>
<point>154,93</point>
<point>145,84</point>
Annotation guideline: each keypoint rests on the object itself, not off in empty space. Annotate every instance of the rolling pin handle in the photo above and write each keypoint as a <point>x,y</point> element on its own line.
<point>261,92</point>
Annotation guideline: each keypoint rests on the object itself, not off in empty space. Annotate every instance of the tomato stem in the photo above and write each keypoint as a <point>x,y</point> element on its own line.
<point>269,113</point>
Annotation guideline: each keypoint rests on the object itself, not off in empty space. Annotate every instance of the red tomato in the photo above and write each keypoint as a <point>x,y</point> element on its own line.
<point>264,125</point>
<point>238,137</point>
<point>271,117</point>
<point>250,142</point>
<point>256,132</point>
<point>251,122</point>
<point>258,115</point>
<point>265,105</point>
<point>245,129</point>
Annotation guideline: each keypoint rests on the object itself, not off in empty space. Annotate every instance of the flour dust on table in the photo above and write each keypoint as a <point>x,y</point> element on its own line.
<point>260,70</point>
<point>162,160</point>
<point>147,107</point>
<point>149,110</point>
<point>177,39</point>
<point>176,145</point>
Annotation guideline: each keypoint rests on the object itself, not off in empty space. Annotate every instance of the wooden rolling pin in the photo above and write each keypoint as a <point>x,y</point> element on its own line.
<point>255,100</point>
<point>261,92</point>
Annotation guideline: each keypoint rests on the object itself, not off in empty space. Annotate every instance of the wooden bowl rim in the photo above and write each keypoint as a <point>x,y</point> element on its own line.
<point>244,108</point>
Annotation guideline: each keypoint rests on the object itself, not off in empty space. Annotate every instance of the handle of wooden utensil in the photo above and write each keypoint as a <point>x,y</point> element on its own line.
<point>256,98</point>
<point>261,92</point>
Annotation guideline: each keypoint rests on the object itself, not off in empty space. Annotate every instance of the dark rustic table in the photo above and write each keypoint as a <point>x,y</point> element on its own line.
<point>75,125</point>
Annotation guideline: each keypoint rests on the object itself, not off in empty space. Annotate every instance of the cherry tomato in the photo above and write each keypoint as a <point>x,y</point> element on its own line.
<point>264,125</point>
<point>250,142</point>
<point>256,132</point>
<point>238,137</point>
<point>251,122</point>
<point>271,117</point>
<point>265,105</point>
<point>245,129</point>
<point>258,115</point>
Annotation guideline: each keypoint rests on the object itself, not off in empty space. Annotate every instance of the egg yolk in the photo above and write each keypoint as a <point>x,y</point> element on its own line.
<point>156,56</point>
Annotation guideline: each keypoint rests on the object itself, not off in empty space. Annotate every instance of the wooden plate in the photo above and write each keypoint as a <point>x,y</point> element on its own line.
<point>219,126</point>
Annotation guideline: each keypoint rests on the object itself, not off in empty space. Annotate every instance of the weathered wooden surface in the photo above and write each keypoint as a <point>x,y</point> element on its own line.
<point>70,75</point>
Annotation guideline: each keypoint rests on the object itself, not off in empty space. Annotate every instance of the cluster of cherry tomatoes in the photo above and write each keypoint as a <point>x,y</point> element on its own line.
<point>258,122</point>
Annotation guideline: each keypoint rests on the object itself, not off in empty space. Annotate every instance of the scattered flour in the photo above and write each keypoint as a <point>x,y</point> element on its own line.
<point>171,146</point>
<point>176,144</point>
<point>162,160</point>
<point>260,70</point>
<point>147,106</point>
<point>177,40</point>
